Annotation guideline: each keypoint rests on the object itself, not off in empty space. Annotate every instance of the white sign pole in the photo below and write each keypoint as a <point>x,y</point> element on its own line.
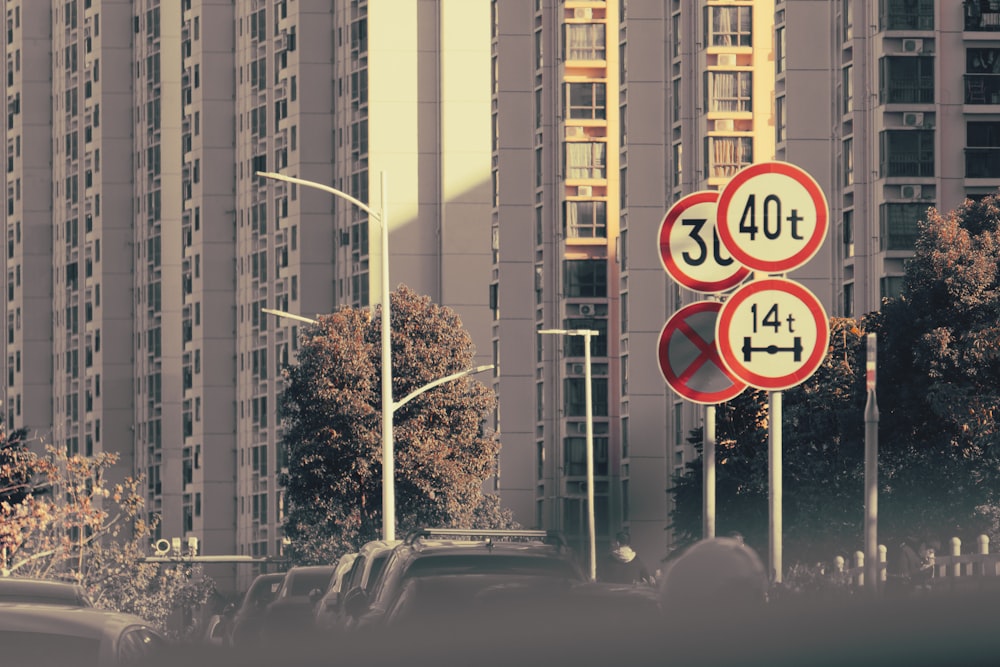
<point>871,473</point>
<point>708,473</point>
<point>774,483</point>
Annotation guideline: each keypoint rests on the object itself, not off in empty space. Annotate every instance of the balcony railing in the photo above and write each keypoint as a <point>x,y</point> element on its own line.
<point>910,90</point>
<point>910,163</point>
<point>982,162</point>
<point>978,20</point>
<point>982,88</point>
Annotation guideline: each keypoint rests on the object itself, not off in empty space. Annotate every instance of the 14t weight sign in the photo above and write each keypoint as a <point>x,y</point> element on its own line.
<point>772,333</point>
<point>772,217</point>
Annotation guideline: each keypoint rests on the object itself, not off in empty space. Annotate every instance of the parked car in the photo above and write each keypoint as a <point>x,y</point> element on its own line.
<point>451,572</point>
<point>43,591</point>
<point>289,614</point>
<point>366,572</point>
<point>246,623</point>
<point>326,612</point>
<point>46,634</point>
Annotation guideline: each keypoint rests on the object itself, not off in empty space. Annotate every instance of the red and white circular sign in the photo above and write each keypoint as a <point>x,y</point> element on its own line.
<point>772,217</point>
<point>772,333</point>
<point>689,358</point>
<point>690,249</point>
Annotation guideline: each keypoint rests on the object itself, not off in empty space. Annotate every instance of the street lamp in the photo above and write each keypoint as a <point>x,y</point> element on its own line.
<point>587,334</point>
<point>388,458</point>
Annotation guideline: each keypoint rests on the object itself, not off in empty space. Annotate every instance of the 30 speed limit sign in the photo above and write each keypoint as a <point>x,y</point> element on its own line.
<point>690,249</point>
<point>772,217</point>
<point>772,333</point>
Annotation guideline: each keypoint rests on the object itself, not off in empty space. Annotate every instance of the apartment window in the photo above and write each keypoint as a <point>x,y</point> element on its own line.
<point>891,286</point>
<point>724,156</point>
<point>780,47</point>
<point>898,224</point>
<point>585,278</point>
<point>906,80</point>
<point>576,396</point>
<point>848,299</point>
<point>906,153</point>
<point>585,100</point>
<point>575,451</point>
<point>907,15</point>
<point>848,160</point>
<point>729,91</point>
<point>585,219</point>
<point>727,25</point>
<point>982,152</point>
<point>848,233</point>
<point>848,83</point>
<point>573,346</point>
<point>779,119</point>
<point>586,159</point>
<point>678,153</point>
<point>585,41</point>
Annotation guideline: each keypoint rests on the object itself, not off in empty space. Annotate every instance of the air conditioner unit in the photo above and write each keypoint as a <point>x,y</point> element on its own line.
<point>587,309</point>
<point>913,45</point>
<point>574,131</point>
<point>585,13</point>
<point>727,60</point>
<point>584,191</point>
<point>913,119</point>
<point>910,191</point>
<point>724,125</point>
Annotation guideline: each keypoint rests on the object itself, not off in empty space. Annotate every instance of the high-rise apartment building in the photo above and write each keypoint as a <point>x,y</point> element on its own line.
<point>887,105</point>
<point>142,245</point>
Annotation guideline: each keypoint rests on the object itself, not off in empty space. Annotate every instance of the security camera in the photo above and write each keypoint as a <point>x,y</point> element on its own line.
<point>162,547</point>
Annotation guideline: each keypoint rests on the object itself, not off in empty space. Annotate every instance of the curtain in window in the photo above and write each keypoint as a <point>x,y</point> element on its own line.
<point>730,155</point>
<point>585,41</point>
<point>586,160</point>
<point>723,22</point>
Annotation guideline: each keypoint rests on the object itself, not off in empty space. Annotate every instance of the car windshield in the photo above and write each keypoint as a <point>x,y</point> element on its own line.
<point>304,582</point>
<point>262,592</point>
<point>378,565</point>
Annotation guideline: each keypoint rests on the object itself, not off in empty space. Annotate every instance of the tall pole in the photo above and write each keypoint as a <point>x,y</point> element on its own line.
<point>388,455</point>
<point>591,529</point>
<point>708,473</point>
<point>871,473</point>
<point>774,483</point>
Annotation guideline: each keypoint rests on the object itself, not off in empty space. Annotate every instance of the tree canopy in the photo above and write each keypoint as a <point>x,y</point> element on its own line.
<point>938,396</point>
<point>61,518</point>
<point>331,409</point>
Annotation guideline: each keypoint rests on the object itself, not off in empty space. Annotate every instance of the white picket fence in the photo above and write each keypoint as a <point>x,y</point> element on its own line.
<point>970,570</point>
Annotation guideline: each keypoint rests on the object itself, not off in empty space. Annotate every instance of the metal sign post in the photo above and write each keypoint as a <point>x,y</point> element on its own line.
<point>871,473</point>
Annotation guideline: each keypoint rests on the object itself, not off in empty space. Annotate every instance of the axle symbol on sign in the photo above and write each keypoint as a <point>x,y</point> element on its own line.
<point>749,349</point>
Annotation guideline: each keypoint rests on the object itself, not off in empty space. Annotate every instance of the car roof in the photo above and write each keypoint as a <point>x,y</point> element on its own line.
<point>43,591</point>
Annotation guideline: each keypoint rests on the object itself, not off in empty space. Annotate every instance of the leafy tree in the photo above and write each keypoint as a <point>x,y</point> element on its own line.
<point>938,397</point>
<point>943,355</point>
<point>331,407</point>
<point>15,483</point>
<point>91,531</point>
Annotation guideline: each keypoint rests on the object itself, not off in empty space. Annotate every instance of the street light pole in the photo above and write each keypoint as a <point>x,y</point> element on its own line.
<point>388,457</point>
<point>588,398</point>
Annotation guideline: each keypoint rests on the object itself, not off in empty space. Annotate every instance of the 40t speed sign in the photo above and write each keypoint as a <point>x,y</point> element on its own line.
<point>772,333</point>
